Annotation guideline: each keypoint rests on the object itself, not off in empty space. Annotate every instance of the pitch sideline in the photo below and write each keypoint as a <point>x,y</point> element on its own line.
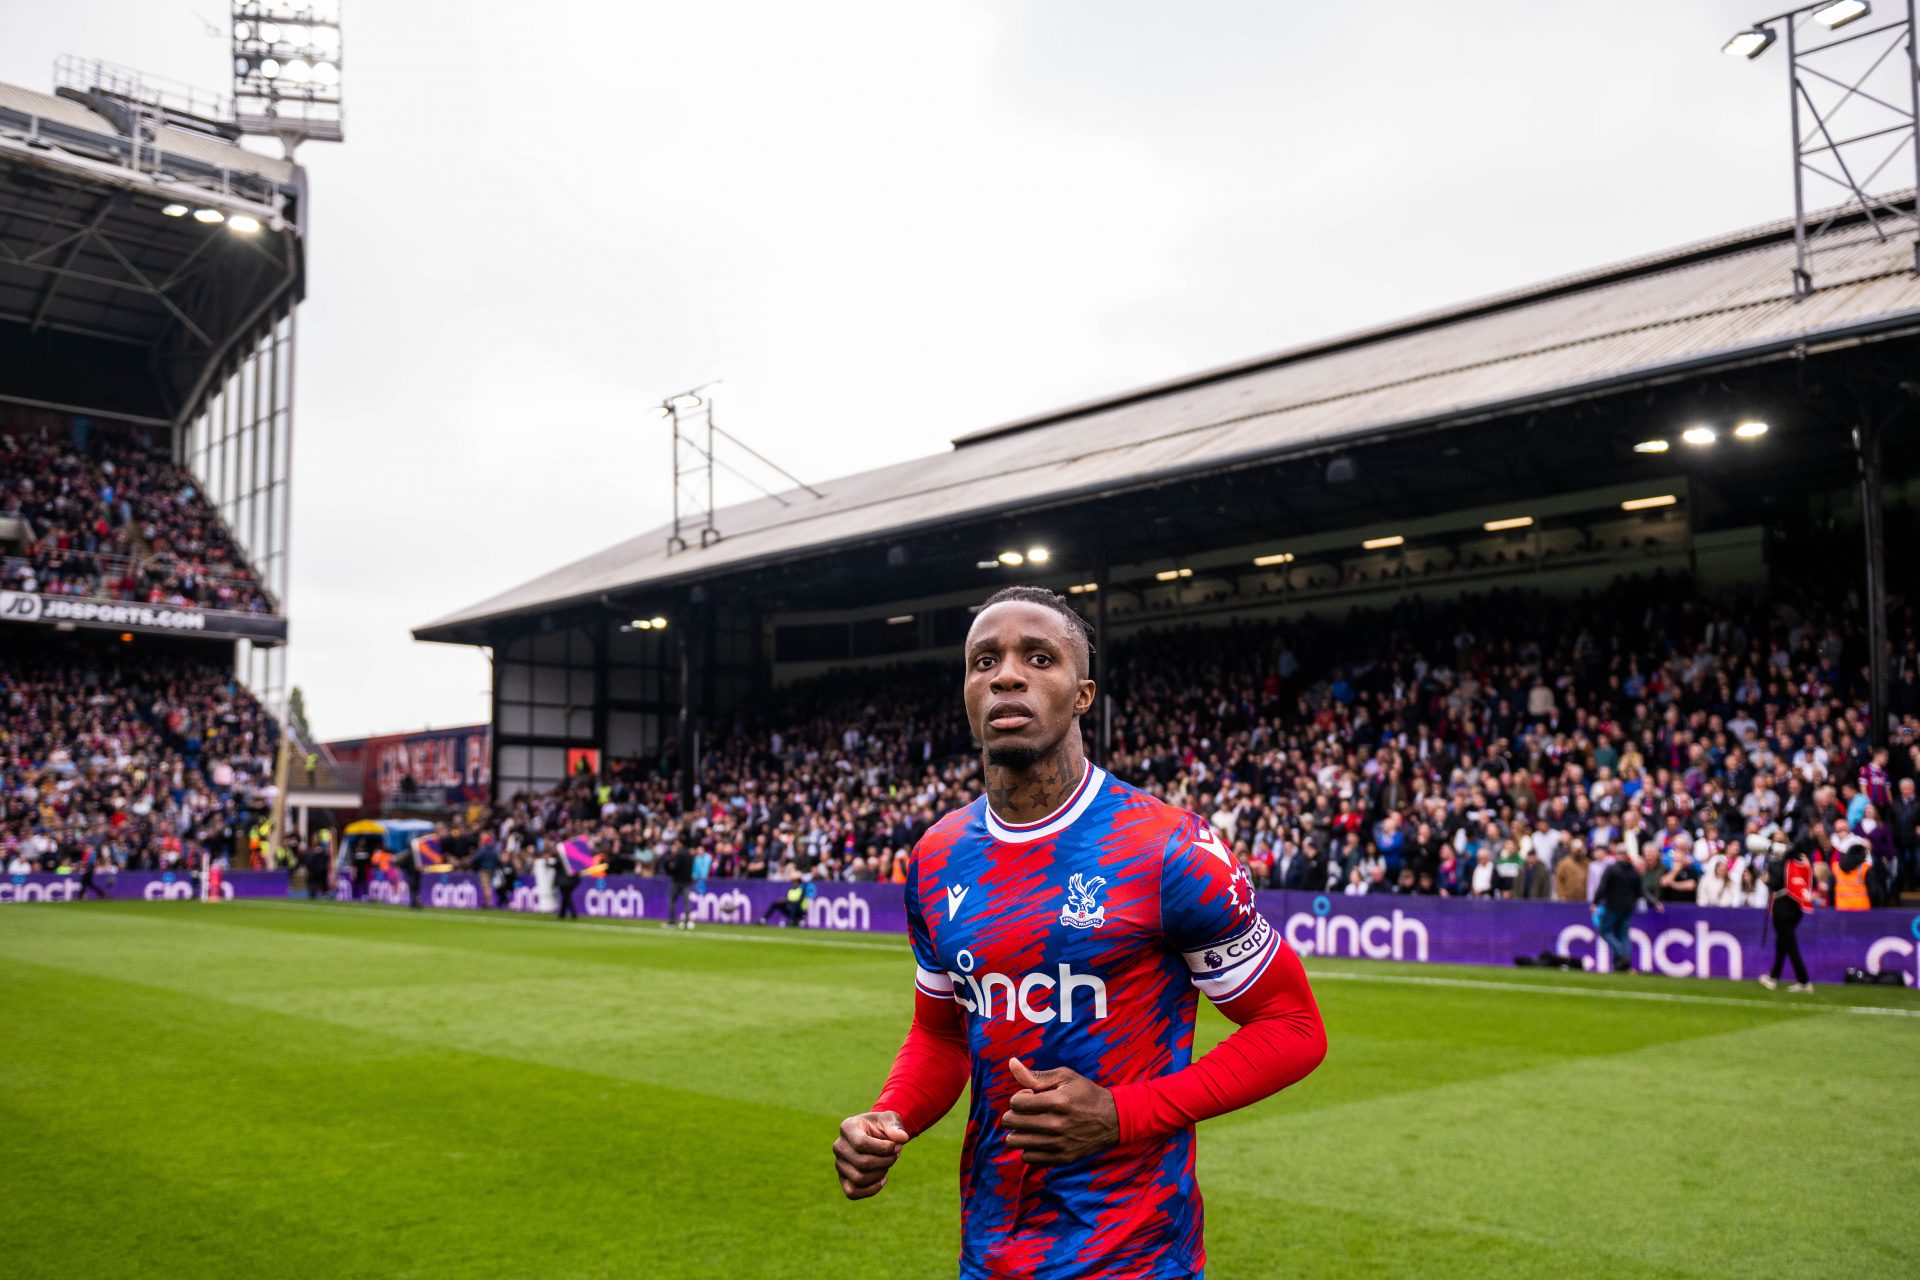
<point>639,929</point>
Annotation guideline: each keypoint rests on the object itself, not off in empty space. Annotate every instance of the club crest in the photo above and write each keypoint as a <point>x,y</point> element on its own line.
<point>1083,909</point>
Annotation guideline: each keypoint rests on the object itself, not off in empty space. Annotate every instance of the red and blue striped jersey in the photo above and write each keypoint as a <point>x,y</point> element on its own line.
<point>1080,941</point>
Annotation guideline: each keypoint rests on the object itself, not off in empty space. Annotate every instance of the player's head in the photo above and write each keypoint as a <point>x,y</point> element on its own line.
<point>1028,656</point>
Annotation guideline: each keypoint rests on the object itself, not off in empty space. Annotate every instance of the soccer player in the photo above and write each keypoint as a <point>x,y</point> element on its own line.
<point>1060,927</point>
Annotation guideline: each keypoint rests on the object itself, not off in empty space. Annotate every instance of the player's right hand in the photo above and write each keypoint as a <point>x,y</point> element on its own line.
<point>866,1148</point>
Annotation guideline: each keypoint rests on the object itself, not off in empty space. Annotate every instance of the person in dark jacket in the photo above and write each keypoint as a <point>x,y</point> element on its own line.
<point>1620,889</point>
<point>679,869</point>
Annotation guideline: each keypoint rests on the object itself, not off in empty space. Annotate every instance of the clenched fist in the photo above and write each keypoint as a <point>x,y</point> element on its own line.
<point>866,1148</point>
<point>1058,1115</point>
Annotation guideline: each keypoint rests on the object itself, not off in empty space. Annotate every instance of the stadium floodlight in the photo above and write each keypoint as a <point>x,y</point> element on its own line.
<point>1083,588</point>
<point>1699,437</point>
<point>898,619</point>
<point>1381,544</point>
<point>1512,522</point>
<point>245,223</point>
<point>1012,559</point>
<point>1647,504</point>
<point>1841,12</point>
<point>1278,557</point>
<point>1652,446</point>
<point>986,564</point>
<point>1039,555</point>
<point>1169,575</point>
<point>1750,43</point>
<point>642,624</point>
<point>287,70</point>
<point>176,211</point>
<point>659,623</point>
<point>1751,429</point>
<point>209,215</point>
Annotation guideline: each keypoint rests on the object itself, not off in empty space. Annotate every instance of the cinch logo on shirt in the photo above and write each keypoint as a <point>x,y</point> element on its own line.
<point>1016,1002</point>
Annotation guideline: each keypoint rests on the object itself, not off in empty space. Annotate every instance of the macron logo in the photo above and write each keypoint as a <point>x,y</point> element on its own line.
<point>956,894</point>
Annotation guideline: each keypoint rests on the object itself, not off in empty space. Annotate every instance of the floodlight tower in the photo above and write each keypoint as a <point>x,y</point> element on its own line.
<point>286,70</point>
<point>1876,68</point>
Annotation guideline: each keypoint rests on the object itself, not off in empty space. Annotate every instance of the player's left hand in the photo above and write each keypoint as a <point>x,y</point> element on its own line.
<point>1058,1116</point>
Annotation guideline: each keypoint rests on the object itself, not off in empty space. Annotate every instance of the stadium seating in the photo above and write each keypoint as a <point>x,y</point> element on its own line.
<point>1425,748</point>
<point>155,763</point>
<point>112,518</point>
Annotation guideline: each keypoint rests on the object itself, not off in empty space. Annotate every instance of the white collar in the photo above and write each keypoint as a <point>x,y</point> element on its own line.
<point>1057,821</point>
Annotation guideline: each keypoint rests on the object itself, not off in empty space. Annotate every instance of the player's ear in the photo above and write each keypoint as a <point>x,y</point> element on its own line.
<point>1083,698</point>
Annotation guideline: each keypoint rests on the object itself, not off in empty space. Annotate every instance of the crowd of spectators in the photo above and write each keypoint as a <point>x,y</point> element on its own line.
<point>1504,745</point>
<point>154,764</point>
<point>111,517</point>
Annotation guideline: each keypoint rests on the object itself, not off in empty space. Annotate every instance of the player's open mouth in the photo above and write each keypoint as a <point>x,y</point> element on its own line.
<point>1008,716</point>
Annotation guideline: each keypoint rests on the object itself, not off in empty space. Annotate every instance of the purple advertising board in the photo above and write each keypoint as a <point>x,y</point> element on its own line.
<point>152,886</point>
<point>1680,941</point>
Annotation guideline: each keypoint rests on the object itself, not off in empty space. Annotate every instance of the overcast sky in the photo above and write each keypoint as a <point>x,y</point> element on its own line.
<point>886,224</point>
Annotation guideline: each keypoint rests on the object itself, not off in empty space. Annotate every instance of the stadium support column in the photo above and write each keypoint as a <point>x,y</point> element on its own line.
<point>684,750</point>
<point>1866,453</point>
<point>1102,666</point>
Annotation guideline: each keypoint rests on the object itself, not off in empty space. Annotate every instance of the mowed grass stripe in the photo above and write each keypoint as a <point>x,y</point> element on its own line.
<point>1455,1131</point>
<point>319,1155</point>
<point>1599,986</point>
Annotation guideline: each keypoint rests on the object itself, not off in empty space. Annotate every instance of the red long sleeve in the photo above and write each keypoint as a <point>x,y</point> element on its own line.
<point>1279,1041</point>
<point>930,1070</point>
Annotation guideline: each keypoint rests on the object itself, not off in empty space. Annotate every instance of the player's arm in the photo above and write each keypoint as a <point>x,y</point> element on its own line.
<point>928,1074</point>
<point>1240,962</point>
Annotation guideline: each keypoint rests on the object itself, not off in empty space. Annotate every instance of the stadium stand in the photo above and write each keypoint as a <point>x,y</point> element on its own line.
<point>1497,745</point>
<point>109,516</point>
<point>153,763</point>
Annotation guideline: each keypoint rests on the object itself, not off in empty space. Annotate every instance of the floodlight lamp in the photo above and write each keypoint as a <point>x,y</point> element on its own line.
<point>642,623</point>
<point>209,215</point>
<point>326,37</point>
<point>1382,544</point>
<point>270,67</point>
<point>298,71</point>
<point>326,73</point>
<point>1752,429</point>
<point>269,33</point>
<point>1750,43</point>
<point>245,223</point>
<point>1841,12</point>
<point>1699,436</point>
<point>986,564</point>
<point>243,31</point>
<point>1511,522</point>
<point>1039,555</point>
<point>1652,446</point>
<point>241,66</point>
<point>176,211</point>
<point>659,623</point>
<point>295,36</point>
<point>1012,559</point>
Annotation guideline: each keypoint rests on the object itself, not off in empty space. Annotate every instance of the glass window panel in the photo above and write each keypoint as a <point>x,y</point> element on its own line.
<point>515,718</point>
<point>516,683</point>
<point>549,722</point>
<point>550,685</point>
<point>580,688</point>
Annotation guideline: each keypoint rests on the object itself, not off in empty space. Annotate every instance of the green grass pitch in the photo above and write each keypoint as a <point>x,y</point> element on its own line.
<point>287,1090</point>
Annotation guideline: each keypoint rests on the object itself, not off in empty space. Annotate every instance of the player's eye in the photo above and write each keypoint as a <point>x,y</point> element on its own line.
<point>982,662</point>
<point>1041,659</point>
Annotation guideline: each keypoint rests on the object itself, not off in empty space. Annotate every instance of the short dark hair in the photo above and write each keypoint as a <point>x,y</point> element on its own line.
<point>1053,600</point>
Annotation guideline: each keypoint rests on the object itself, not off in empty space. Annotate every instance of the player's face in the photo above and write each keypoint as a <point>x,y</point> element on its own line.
<point>1023,687</point>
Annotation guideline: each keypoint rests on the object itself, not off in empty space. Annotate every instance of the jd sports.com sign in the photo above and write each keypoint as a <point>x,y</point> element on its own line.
<point>120,615</point>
